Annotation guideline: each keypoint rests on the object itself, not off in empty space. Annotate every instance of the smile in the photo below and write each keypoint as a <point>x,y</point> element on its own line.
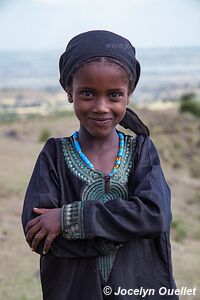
<point>100,121</point>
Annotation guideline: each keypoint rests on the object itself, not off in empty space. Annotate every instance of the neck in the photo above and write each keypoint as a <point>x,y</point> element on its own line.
<point>85,139</point>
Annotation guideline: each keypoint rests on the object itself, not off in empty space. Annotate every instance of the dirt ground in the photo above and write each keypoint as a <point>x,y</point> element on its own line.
<point>178,141</point>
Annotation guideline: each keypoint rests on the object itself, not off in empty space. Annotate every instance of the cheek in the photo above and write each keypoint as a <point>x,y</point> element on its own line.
<point>120,111</point>
<point>122,114</point>
<point>122,107</point>
<point>79,108</point>
<point>128,100</point>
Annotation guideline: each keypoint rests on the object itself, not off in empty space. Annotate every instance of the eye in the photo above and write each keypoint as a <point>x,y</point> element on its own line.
<point>115,94</point>
<point>87,93</point>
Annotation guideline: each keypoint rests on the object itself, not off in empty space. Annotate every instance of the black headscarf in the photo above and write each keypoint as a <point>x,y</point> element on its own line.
<point>102,43</point>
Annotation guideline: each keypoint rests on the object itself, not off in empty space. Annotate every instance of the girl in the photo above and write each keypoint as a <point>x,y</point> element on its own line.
<point>97,208</point>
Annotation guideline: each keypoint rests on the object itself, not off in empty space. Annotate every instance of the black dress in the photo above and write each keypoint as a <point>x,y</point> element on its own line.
<point>125,241</point>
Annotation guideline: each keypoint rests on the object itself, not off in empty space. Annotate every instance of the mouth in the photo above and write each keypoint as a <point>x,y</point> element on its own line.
<point>100,121</point>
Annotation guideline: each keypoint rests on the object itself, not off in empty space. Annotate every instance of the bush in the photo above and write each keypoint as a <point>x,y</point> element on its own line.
<point>9,117</point>
<point>44,135</point>
<point>190,104</point>
<point>179,230</point>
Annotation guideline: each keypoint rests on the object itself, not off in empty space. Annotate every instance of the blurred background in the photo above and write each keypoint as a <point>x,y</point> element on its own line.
<point>33,107</point>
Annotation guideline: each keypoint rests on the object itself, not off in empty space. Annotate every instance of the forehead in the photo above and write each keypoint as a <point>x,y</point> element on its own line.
<point>99,71</point>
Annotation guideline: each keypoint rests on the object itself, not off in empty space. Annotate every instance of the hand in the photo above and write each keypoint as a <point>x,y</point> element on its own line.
<point>47,224</point>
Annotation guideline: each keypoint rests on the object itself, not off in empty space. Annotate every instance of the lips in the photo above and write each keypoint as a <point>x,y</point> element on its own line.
<point>100,121</point>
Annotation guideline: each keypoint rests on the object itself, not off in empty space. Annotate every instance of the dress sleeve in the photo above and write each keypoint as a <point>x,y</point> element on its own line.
<point>147,212</point>
<point>44,191</point>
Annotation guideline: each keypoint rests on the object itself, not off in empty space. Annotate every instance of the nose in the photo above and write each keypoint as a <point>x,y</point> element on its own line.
<point>101,105</point>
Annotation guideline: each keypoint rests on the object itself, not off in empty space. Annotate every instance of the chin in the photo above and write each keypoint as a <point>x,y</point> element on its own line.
<point>100,132</point>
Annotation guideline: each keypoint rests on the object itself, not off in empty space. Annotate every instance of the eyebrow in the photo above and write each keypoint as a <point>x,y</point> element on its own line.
<point>116,89</point>
<point>109,90</point>
<point>86,88</point>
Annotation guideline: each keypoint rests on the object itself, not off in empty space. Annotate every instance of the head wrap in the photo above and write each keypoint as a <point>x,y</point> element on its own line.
<point>102,43</point>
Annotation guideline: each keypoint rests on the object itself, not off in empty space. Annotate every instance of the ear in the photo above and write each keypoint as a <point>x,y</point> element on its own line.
<point>70,98</point>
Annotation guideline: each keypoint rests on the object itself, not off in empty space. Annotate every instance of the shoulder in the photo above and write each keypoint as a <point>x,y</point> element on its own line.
<point>140,141</point>
<point>54,142</point>
<point>53,146</point>
<point>50,144</point>
<point>145,142</point>
<point>146,151</point>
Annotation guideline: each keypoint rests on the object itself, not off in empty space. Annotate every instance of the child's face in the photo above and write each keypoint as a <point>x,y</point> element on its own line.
<point>100,96</point>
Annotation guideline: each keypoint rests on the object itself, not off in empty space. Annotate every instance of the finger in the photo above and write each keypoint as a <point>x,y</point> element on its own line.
<point>31,223</point>
<point>40,211</point>
<point>32,232</point>
<point>48,242</point>
<point>37,239</point>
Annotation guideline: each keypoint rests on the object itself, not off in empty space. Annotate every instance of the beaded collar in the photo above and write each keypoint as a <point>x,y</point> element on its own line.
<point>86,160</point>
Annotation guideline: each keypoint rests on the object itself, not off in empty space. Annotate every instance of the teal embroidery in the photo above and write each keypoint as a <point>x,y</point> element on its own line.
<point>94,187</point>
<point>71,218</point>
<point>106,263</point>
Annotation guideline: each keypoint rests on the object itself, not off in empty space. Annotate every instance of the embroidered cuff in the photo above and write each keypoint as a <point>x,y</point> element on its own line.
<point>109,246</point>
<point>72,220</point>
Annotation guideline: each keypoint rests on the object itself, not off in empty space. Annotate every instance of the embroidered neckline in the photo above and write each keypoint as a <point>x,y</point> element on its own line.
<point>68,141</point>
<point>87,161</point>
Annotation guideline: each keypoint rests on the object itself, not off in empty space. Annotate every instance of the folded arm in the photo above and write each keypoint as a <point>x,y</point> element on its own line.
<point>43,230</point>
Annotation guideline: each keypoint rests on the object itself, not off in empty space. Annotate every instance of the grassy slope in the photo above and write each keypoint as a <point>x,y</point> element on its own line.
<point>178,141</point>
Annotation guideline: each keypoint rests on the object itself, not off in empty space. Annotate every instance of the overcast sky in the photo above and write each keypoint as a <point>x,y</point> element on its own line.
<point>49,24</point>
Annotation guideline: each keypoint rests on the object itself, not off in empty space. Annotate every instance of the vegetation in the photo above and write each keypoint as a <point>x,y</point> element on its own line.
<point>189,103</point>
<point>179,230</point>
<point>9,117</point>
<point>44,135</point>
